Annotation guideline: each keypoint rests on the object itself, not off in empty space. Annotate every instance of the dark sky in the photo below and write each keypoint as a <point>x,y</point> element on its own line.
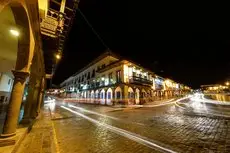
<point>181,46</point>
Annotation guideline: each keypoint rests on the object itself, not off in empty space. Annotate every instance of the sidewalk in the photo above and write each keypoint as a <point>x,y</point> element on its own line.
<point>41,138</point>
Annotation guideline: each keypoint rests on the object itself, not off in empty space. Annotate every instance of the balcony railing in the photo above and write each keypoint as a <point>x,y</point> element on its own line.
<point>140,80</point>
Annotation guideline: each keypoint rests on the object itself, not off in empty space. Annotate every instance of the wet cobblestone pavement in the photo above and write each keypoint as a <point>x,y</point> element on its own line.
<point>167,126</point>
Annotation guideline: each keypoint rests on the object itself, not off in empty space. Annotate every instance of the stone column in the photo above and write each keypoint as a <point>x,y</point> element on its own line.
<point>35,101</point>
<point>41,96</point>
<point>29,100</point>
<point>125,94</point>
<point>11,121</point>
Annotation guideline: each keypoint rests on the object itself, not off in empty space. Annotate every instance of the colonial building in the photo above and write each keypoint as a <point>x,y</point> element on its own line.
<point>110,79</point>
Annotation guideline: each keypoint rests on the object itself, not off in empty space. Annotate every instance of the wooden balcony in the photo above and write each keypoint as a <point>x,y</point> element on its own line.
<point>139,80</point>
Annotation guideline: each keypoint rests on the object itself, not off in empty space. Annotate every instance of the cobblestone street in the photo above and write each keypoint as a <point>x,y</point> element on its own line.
<point>87,128</point>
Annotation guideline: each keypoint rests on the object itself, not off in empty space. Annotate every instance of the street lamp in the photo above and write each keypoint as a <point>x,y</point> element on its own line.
<point>58,56</point>
<point>14,32</point>
<point>227,83</point>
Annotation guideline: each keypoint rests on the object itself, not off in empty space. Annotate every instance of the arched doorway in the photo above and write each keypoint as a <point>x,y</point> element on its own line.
<point>137,96</point>
<point>102,97</point>
<point>97,96</point>
<point>143,96</point>
<point>130,96</point>
<point>109,96</point>
<point>118,94</point>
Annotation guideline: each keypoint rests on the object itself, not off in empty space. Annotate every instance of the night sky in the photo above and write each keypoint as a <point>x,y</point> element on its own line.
<point>173,46</point>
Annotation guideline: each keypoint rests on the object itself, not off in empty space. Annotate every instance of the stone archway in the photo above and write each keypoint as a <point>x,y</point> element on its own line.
<point>109,96</point>
<point>118,93</point>
<point>24,54</point>
<point>102,97</point>
<point>130,96</point>
<point>143,93</point>
<point>143,96</point>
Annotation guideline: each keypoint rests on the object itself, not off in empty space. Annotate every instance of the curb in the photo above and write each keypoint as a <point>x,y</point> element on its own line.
<point>54,137</point>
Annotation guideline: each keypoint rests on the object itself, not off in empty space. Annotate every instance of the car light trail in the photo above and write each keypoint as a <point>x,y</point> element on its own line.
<point>111,117</point>
<point>92,112</point>
<point>124,133</point>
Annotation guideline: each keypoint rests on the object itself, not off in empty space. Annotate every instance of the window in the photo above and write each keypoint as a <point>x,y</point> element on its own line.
<point>118,76</point>
<point>9,81</point>
<point>110,78</point>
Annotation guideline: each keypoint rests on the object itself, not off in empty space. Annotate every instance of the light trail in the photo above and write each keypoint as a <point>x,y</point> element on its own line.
<point>124,133</point>
<point>165,103</point>
<point>198,103</point>
<point>92,112</point>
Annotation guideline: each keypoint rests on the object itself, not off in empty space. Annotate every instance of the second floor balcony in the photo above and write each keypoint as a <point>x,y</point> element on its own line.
<point>139,80</point>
